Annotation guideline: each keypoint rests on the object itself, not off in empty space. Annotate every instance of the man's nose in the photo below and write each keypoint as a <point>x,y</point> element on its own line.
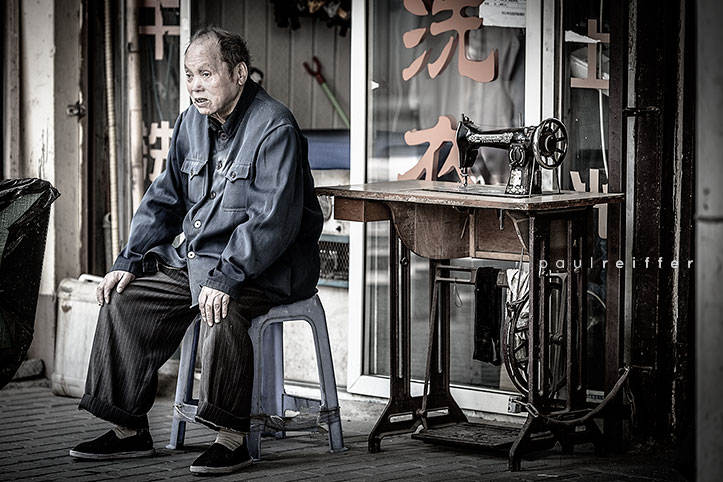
<point>196,85</point>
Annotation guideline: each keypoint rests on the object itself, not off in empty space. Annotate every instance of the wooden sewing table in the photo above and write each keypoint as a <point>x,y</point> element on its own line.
<point>439,221</point>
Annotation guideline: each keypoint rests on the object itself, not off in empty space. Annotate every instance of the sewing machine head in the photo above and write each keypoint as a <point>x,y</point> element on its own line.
<point>544,145</point>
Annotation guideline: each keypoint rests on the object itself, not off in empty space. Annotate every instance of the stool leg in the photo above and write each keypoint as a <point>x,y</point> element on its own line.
<point>267,398</point>
<point>184,385</point>
<point>327,379</point>
<point>253,443</point>
<point>273,383</point>
<point>253,439</point>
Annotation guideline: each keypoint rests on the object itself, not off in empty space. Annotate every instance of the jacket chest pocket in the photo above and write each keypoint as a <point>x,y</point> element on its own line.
<point>235,191</point>
<point>197,183</point>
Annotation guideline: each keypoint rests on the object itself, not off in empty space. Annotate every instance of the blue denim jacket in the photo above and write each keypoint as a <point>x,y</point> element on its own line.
<point>243,195</point>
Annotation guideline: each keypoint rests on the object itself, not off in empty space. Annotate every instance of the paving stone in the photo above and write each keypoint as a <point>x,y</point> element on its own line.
<point>38,429</point>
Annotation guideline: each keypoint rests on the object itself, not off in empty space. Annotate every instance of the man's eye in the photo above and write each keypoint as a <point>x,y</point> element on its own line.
<point>188,76</point>
<point>206,74</point>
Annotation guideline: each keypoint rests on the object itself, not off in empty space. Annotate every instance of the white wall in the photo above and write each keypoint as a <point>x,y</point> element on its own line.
<point>49,80</point>
<point>37,83</point>
<point>37,127</point>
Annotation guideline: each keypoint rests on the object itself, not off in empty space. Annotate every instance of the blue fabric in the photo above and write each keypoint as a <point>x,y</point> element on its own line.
<point>243,195</point>
<point>328,148</point>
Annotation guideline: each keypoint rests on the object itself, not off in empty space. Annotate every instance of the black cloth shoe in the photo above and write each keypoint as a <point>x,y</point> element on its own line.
<point>109,446</point>
<point>221,460</point>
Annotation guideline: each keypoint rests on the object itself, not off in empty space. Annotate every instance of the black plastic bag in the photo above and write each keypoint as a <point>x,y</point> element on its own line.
<point>24,215</point>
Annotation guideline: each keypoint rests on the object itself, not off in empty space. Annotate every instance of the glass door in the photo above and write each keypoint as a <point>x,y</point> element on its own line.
<point>426,69</point>
<point>426,63</point>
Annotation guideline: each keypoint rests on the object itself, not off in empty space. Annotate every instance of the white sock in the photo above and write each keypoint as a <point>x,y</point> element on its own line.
<point>123,432</point>
<point>230,440</point>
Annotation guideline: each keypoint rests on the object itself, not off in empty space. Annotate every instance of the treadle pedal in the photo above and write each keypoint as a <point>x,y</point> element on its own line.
<point>493,437</point>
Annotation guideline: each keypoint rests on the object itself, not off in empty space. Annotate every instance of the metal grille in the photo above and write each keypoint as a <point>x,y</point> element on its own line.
<point>334,252</point>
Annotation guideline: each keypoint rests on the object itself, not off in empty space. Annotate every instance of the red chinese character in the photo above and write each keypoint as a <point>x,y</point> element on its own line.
<point>602,209</point>
<point>436,137</point>
<point>592,81</point>
<point>162,131</point>
<point>159,29</point>
<point>479,70</point>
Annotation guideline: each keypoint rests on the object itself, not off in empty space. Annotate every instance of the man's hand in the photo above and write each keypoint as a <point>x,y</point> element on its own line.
<point>119,278</point>
<point>213,305</point>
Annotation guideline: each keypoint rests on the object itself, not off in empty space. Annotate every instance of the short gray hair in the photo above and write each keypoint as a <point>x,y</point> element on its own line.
<point>232,46</point>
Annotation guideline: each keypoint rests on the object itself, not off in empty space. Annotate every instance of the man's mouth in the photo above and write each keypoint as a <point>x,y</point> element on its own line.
<point>200,102</point>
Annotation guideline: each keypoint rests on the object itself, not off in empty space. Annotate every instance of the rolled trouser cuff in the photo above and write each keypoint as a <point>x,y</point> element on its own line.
<point>105,411</point>
<point>217,418</point>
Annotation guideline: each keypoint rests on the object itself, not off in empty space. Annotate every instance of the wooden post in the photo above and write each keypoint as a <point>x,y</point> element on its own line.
<point>11,91</point>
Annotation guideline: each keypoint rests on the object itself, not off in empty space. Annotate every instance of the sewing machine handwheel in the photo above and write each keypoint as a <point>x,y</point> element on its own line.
<point>516,353</point>
<point>549,143</point>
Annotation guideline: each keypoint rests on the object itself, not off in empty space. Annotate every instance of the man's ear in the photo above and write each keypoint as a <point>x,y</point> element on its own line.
<point>243,73</point>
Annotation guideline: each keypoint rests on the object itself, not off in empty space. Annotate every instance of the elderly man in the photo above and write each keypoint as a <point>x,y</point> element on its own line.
<point>238,185</point>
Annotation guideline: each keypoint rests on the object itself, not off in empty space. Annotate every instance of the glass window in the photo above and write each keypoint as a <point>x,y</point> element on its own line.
<point>161,83</point>
<point>586,93</point>
<point>426,69</point>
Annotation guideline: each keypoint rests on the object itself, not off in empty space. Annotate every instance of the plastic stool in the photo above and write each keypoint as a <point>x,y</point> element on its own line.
<point>269,401</point>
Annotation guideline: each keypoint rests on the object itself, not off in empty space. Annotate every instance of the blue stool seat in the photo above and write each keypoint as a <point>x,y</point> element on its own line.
<point>269,401</point>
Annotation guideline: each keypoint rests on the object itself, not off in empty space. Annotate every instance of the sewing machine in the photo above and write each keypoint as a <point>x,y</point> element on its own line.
<point>529,148</point>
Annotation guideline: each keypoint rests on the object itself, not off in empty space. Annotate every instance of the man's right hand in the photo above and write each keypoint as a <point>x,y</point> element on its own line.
<point>115,279</point>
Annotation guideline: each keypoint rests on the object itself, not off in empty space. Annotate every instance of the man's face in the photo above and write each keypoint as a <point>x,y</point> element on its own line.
<point>212,86</point>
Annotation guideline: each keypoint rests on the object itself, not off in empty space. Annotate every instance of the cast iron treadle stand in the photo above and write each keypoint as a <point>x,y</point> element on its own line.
<point>402,414</point>
<point>556,413</point>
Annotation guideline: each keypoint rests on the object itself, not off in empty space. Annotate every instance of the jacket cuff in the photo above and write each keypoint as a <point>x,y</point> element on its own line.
<point>123,264</point>
<point>221,282</point>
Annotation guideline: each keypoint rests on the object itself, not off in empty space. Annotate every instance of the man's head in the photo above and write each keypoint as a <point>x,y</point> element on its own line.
<point>216,63</point>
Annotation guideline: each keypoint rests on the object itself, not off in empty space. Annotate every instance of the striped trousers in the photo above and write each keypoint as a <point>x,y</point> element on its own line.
<point>142,327</point>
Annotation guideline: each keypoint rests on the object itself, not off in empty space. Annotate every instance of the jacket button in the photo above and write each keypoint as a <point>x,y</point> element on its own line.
<point>233,175</point>
<point>197,224</point>
<point>213,194</point>
<point>224,137</point>
<point>191,255</point>
<point>219,165</point>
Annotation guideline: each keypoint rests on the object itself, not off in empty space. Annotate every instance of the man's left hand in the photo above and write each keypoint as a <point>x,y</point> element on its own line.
<point>213,305</point>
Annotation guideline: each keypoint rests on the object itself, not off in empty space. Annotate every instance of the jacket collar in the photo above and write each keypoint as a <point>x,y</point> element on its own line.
<point>242,105</point>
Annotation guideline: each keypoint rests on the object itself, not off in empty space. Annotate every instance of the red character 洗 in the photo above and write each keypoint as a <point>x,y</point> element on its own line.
<point>478,70</point>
